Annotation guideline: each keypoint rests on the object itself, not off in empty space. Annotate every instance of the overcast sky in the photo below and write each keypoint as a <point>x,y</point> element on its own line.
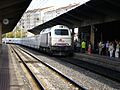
<point>45,3</point>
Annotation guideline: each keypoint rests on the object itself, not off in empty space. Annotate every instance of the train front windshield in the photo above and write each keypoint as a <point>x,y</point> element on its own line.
<point>61,32</point>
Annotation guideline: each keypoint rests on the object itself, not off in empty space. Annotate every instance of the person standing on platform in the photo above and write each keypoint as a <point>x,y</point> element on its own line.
<point>83,46</point>
<point>89,48</point>
<point>78,46</point>
<point>75,44</point>
<point>117,50</point>
<point>111,49</point>
<point>100,46</point>
<point>107,46</point>
<point>114,46</point>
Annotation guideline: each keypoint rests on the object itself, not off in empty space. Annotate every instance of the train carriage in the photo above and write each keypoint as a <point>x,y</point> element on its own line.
<point>55,40</point>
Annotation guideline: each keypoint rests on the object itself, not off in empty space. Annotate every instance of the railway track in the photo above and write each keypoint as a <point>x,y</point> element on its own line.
<point>103,71</point>
<point>32,64</point>
<point>27,70</point>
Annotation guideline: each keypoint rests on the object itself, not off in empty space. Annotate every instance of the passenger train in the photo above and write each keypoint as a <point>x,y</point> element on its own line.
<point>55,40</point>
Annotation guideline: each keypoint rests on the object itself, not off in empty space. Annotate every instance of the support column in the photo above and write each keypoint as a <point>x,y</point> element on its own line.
<point>79,34</point>
<point>92,36</point>
<point>73,38</point>
<point>0,37</point>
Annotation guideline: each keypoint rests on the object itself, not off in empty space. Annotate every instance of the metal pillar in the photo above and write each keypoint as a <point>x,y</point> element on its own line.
<point>73,38</point>
<point>92,36</point>
<point>0,37</point>
<point>79,34</point>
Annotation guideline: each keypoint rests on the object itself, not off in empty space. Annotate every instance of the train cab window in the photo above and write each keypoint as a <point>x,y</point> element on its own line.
<point>61,32</point>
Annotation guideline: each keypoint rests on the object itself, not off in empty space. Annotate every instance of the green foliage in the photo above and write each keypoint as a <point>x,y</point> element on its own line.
<point>3,35</point>
<point>17,33</point>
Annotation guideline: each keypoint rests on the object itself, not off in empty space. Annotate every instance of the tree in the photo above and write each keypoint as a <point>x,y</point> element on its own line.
<point>16,33</point>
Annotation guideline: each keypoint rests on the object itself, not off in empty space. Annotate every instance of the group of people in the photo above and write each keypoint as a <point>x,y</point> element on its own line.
<point>80,46</point>
<point>109,48</point>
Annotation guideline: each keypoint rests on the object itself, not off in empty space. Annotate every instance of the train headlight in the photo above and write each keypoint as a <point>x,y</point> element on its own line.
<point>67,44</point>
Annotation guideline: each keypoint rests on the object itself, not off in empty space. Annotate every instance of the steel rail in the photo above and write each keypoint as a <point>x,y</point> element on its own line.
<point>55,70</point>
<point>103,71</point>
<point>31,73</point>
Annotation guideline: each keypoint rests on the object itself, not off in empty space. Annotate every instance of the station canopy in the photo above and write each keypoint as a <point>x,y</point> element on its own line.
<point>11,12</point>
<point>89,13</point>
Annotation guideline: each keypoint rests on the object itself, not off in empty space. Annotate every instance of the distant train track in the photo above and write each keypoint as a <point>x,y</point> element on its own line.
<point>69,80</point>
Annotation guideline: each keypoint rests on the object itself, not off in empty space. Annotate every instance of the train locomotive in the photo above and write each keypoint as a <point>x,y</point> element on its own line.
<point>55,40</point>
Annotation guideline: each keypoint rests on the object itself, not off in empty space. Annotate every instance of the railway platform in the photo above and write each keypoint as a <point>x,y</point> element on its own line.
<point>105,61</point>
<point>10,78</point>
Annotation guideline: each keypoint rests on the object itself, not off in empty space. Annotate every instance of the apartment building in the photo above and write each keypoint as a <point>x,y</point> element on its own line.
<point>32,18</point>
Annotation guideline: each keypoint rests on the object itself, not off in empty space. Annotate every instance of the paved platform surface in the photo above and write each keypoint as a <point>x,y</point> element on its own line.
<point>105,61</point>
<point>8,77</point>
